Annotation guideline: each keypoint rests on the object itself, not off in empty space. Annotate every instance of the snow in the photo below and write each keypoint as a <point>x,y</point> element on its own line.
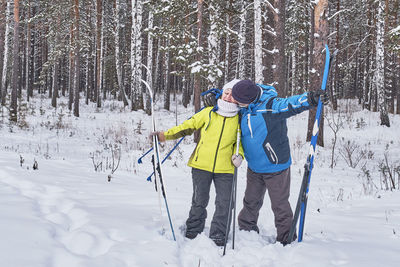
<point>66,214</point>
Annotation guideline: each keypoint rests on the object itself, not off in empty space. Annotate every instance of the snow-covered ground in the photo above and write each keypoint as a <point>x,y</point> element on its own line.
<point>66,214</point>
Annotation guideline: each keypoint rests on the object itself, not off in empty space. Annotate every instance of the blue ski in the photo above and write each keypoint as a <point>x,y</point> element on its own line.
<point>303,195</point>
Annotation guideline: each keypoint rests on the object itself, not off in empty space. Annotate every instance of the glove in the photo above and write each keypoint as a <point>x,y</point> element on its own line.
<point>160,135</point>
<point>314,96</point>
<point>209,99</point>
<point>237,160</point>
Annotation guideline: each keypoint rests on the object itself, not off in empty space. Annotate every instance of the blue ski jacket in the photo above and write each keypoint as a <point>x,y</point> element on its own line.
<point>264,130</point>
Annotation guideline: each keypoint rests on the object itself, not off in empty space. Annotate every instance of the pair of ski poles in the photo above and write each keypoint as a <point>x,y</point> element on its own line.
<point>232,202</point>
<point>166,157</point>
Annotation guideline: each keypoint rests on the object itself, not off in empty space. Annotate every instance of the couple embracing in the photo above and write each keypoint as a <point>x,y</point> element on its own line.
<point>261,117</point>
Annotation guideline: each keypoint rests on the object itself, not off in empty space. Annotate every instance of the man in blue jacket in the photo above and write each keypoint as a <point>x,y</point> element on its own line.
<point>267,150</point>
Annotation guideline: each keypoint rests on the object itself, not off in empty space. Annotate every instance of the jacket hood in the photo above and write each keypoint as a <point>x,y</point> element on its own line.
<point>267,93</point>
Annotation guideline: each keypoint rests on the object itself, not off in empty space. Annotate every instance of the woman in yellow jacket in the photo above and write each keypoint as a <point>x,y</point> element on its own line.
<point>214,160</point>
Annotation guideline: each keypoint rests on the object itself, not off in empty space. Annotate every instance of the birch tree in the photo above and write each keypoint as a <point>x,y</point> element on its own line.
<point>197,89</point>
<point>99,49</point>
<point>136,56</point>
<point>2,37</point>
<point>214,36</point>
<point>258,54</point>
<point>149,70</point>
<point>5,54</point>
<point>15,73</point>
<point>240,63</point>
<point>380,67</point>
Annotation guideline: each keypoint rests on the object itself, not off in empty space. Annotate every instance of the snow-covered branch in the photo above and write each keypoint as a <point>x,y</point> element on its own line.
<point>272,8</point>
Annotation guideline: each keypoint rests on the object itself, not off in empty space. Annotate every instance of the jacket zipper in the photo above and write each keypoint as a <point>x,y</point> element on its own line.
<point>219,141</point>
<point>272,152</point>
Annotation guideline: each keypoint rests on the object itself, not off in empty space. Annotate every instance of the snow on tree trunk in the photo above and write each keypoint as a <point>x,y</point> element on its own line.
<point>136,56</point>
<point>5,56</point>
<point>99,15</point>
<point>380,66</point>
<point>149,73</point>
<point>240,74</point>
<point>258,55</point>
<point>3,5</point>
<point>15,79</point>
<point>167,87</point>
<point>213,46</point>
<point>77,60</point>
<point>197,84</point>
<point>118,61</point>
<point>227,49</point>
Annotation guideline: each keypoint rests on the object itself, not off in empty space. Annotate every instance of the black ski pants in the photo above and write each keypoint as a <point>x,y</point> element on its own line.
<point>201,195</point>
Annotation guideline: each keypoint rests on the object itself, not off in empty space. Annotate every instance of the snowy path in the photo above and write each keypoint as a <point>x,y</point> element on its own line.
<point>79,219</point>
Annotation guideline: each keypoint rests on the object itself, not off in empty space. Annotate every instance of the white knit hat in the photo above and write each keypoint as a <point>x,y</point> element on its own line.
<point>230,84</point>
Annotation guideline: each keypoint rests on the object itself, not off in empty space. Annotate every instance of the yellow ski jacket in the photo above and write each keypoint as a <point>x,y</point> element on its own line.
<point>217,142</point>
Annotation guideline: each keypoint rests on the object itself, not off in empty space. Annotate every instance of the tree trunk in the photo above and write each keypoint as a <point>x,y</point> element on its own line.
<point>136,56</point>
<point>213,45</point>
<point>149,72</point>
<point>197,84</point>
<point>77,62</point>
<point>166,77</point>
<point>3,24</point>
<point>279,72</point>
<point>380,66</point>
<point>5,54</point>
<point>55,84</point>
<point>71,65</point>
<point>29,63</point>
<point>258,54</point>
<point>240,64</point>
<point>14,93</point>
<point>99,15</point>
<point>118,61</point>
<point>320,39</point>
<point>333,93</point>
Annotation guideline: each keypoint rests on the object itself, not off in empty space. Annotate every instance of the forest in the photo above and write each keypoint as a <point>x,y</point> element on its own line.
<point>94,50</point>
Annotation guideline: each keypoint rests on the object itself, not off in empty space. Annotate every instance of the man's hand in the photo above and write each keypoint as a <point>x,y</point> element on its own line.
<point>237,160</point>
<point>314,96</point>
<point>160,135</point>
<point>209,99</point>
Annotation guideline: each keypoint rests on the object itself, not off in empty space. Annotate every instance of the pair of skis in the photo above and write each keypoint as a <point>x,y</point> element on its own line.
<point>158,176</point>
<point>305,184</point>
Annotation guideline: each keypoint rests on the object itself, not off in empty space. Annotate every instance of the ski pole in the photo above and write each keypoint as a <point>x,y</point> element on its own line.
<point>169,153</point>
<point>147,152</point>
<point>232,201</point>
<point>157,164</point>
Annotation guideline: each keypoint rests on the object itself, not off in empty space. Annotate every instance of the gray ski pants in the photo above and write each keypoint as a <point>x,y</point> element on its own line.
<point>201,195</point>
<point>278,185</point>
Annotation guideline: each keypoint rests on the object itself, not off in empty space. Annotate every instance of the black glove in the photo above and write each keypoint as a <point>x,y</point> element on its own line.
<point>314,96</point>
<point>209,99</point>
